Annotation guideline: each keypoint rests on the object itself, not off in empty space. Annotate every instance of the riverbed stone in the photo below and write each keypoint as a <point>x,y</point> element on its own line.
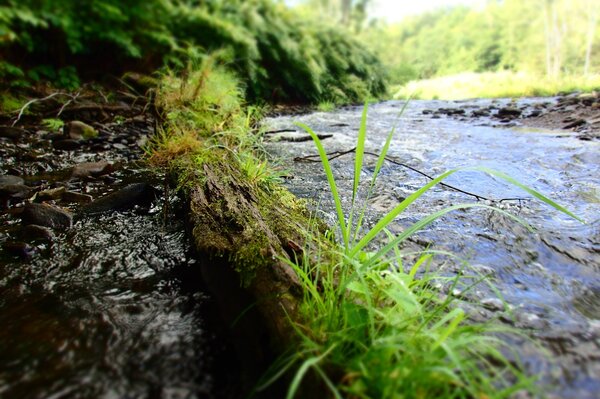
<point>20,249</point>
<point>508,113</point>
<point>67,144</point>
<point>92,169</point>
<point>51,193</point>
<point>141,194</point>
<point>47,215</point>
<point>14,191</point>
<point>9,180</point>
<point>72,196</point>
<point>35,232</point>
<point>78,130</point>
<point>493,304</point>
<point>11,132</point>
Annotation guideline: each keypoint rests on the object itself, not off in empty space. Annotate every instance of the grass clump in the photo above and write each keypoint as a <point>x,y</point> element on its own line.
<point>495,85</point>
<point>373,327</point>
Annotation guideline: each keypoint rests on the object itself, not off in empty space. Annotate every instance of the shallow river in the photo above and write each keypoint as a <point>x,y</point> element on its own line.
<point>549,280</point>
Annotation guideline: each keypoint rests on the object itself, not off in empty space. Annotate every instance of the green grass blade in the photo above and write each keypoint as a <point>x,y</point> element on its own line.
<point>358,162</point>
<point>331,180</point>
<point>302,370</point>
<point>388,218</point>
<point>360,151</point>
<point>529,190</point>
<point>429,219</point>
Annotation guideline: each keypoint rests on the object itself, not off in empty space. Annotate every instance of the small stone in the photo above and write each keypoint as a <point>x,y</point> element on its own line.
<point>78,130</point>
<point>14,191</point>
<point>575,123</point>
<point>20,249</point>
<point>66,145</point>
<point>72,196</point>
<point>92,169</point>
<point>141,194</point>
<point>47,215</point>
<point>508,112</point>
<point>9,180</point>
<point>493,304</point>
<point>119,146</point>
<point>35,232</point>
<point>484,270</point>
<point>11,132</point>
<point>51,193</point>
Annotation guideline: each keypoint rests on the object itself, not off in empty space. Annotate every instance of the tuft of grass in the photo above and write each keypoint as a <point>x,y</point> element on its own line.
<point>372,329</point>
<point>495,85</point>
<point>53,124</point>
<point>326,106</point>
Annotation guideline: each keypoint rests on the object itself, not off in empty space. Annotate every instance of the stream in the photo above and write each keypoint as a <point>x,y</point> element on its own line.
<point>101,298</point>
<point>547,281</point>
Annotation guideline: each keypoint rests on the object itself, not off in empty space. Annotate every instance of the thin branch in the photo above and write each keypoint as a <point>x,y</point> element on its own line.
<point>337,154</point>
<point>27,104</point>
<point>65,105</point>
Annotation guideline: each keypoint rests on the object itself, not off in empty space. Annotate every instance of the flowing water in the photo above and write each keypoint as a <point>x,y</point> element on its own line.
<point>112,307</point>
<point>549,279</point>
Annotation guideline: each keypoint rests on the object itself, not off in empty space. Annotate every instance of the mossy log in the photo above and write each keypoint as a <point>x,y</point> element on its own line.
<point>253,230</point>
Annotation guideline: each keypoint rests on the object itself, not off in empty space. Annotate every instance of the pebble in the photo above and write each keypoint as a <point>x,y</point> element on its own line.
<point>92,169</point>
<point>493,304</point>
<point>20,249</point>
<point>127,198</point>
<point>33,232</point>
<point>51,193</point>
<point>47,215</point>
<point>72,196</point>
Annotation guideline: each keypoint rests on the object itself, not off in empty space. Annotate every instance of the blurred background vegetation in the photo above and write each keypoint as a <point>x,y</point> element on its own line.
<point>311,51</point>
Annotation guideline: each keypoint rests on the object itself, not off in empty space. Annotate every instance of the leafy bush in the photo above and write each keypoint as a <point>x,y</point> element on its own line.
<point>277,55</point>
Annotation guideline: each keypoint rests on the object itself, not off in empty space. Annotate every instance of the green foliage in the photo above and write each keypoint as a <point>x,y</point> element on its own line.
<point>539,37</point>
<point>53,124</point>
<point>279,56</point>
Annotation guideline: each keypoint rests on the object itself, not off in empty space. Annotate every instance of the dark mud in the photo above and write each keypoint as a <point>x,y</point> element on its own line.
<point>100,295</point>
<point>547,282</point>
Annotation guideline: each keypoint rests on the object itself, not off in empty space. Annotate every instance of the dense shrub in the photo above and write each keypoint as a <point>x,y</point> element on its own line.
<point>279,56</point>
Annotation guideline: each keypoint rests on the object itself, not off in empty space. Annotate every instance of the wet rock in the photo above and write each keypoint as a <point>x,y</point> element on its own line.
<point>534,113</point>
<point>452,111</point>
<point>480,113</point>
<point>92,169</point>
<point>78,130</point>
<point>11,132</point>
<point>508,113</point>
<point>575,123</point>
<point>51,193</point>
<point>531,321</point>
<point>298,137</point>
<point>20,249</point>
<point>141,194</point>
<point>47,215</point>
<point>14,191</point>
<point>35,232</point>
<point>67,144</point>
<point>119,146</point>
<point>484,270</point>
<point>72,196</point>
<point>493,304</point>
<point>9,180</point>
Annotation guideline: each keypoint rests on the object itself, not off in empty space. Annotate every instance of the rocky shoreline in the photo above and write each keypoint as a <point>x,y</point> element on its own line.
<point>577,113</point>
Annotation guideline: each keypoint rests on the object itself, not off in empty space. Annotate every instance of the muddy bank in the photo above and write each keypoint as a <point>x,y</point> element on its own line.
<point>548,280</point>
